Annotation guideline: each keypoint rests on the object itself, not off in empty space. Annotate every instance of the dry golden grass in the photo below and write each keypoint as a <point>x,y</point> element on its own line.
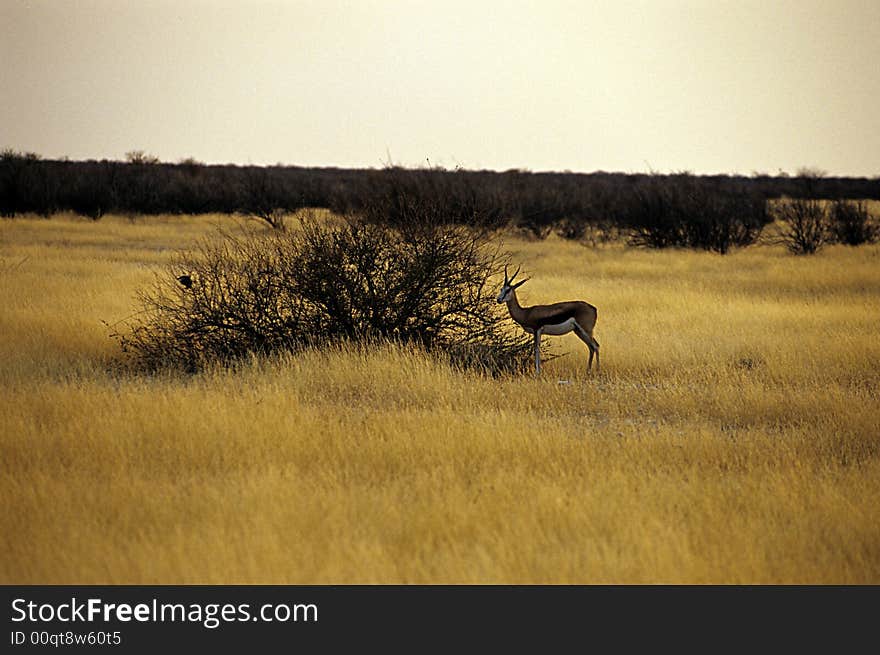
<point>732,436</point>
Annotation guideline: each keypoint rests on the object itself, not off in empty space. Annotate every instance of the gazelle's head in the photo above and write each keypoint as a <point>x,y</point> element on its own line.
<point>508,287</point>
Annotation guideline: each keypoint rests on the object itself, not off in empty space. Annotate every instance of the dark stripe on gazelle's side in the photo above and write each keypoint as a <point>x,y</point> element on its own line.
<point>556,319</point>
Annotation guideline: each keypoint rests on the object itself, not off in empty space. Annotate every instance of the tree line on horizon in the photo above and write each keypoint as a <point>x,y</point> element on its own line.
<point>712,212</point>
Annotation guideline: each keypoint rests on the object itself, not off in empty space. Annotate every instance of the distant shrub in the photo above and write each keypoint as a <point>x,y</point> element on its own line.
<point>23,186</point>
<point>653,214</point>
<point>685,211</point>
<point>538,209</point>
<point>404,198</point>
<point>264,197</point>
<point>588,231</point>
<point>593,215</point>
<point>320,284</point>
<point>721,221</point>
<point>851,223</point>
<point>804,225</point>
<point>141,158</point>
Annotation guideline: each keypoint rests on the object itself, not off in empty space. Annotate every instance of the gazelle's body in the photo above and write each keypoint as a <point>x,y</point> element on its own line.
<point>556,319</point>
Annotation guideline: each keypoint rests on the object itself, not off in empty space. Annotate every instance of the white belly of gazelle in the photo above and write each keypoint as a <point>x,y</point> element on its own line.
<point>556,329</point>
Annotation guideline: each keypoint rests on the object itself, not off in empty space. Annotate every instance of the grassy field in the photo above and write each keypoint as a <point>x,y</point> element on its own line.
<point>732,436</point>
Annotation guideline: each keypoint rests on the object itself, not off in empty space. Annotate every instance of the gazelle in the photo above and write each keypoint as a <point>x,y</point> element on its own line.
<point>559,318</point>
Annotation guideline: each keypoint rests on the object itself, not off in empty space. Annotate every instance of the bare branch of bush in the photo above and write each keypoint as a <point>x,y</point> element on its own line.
<point>804,225</point>
<point>320,284</point>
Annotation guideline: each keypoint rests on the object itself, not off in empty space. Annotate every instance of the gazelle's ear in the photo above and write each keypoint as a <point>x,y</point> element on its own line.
<point>520,283</point>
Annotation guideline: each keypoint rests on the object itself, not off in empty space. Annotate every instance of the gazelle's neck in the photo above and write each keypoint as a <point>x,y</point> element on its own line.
<point>513,306</point>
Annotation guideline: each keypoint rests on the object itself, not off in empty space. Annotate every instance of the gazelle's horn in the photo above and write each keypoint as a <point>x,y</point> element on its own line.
<point>512,277</point>
<point>506,279</point>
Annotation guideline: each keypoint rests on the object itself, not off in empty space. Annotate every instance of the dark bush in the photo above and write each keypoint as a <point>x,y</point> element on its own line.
<point>538,208</point>
<point>23,184</point>
<point>652,214</point>
<point>721,220</point>
<point>592,216</point>
<point>321,284</point>
<point>686,211</point>
<point>804,225</point>
<point>264,196</point>
<point>402,197</point>
<point>851,223</point>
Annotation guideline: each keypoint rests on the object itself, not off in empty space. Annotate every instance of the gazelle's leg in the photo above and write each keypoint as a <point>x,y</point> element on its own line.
<point>591,343</point>
<point>537,352</point>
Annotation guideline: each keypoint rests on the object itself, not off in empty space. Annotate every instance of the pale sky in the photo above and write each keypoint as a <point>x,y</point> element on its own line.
<point>703,85</point>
